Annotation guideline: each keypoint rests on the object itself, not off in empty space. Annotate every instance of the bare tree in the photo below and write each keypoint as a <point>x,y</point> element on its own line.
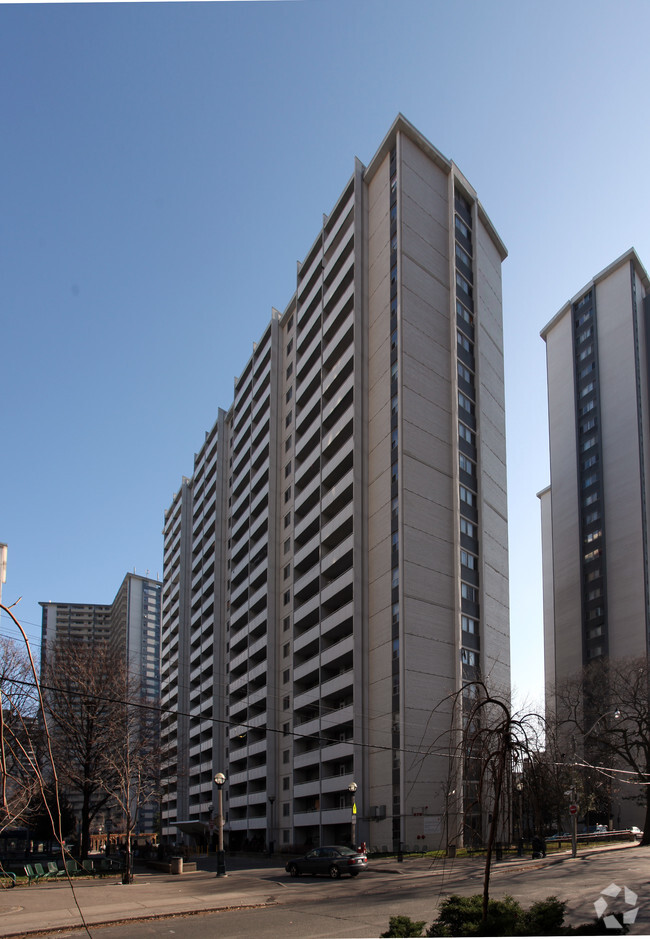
<point>495,742</point>
<point>19,761</point>
<point>135,764</point>
<point>83,687</point>
<point>605,714</point>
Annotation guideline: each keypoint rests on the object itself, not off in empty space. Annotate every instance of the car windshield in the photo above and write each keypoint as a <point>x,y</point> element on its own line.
<point>346,851</point>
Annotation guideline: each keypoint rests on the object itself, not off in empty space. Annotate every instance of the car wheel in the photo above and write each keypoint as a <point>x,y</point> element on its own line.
<point>334,872</point>
<point>293,870</point>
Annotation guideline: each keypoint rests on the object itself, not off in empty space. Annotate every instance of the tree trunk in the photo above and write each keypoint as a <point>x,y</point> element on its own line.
<point>645,837</point>
<point>84,844</point>
<point>492,832</point>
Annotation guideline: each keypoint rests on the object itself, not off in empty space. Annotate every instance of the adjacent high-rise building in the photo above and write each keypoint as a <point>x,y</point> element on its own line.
<point>595,512</point>
<point>131,626</point>
<point>336,568</point>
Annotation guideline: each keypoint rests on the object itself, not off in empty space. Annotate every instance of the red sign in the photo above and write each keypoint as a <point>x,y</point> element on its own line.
<point>573,809</point>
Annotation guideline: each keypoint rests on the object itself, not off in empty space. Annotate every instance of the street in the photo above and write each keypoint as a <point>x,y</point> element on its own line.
<point>361,907</point>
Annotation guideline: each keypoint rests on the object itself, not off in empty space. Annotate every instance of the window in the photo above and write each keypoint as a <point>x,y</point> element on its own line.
<point>286,674</point>
<point>587,369</point>
<point>289,369</point>
<point>464,373</point>
<point>395,541</point>
<point>463,341</point>
<point>587,388</point>
<point>588,424</point>
<point>287,470</point>
<point>286,623</point>
<point>393,440</point>
<point>395,507</point>
<point>287,572</point>
<point>287,519</point>
<point>285,753</point>
<point>463,256</point>
<point>394,404</point>
<point>393,339</point>
<point>592,517</point>
<point>288,419</point>
<point>591,555</point>
<point>463,285</point>
<point>593,536</point>
<point>586,352</point>
<point>466,464</point>
<point>395,577</point>
<point>468,657</point>
<point>286,811</point>
<point>585,334</point>
<point>465,403</point>
<point>468,560</point>
<point>286,702</point>
<point>589,480</point>
<point>464,313</point>
<point>289,395</point>
<point>287,546</point>
<point>395,648</point>
<point>590,499</point>
<point>466,495</point>
<point>285,783</point>
<point>461,227</point>
<point>395,613</point>
<point>393,372</point>
<point>287,596</point>
<point>469,625</point>
<point>467,528</point>
<point>589,406</point>
<point>286,649</point>
<point>468,592</point>
<point>287,495</point>
<point>465,433</point>
<point>287,445</point>
<point>590,461</point>
<point>594,594</point>
<point>587,444</point>
<point>394,473</point>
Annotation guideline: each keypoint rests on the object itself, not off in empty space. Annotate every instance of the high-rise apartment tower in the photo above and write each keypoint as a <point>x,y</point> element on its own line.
<point>595,511</point>
<point>337,564</point>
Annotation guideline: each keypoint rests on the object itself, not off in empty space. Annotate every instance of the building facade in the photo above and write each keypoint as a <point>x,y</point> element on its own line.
<point>130,625</point>
<point>595,511</point>
<point>336,568</point>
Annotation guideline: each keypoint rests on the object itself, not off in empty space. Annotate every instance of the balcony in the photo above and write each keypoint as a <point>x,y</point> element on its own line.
<point>342,648</point>
<point>302,790</point>
<point>345,217</point>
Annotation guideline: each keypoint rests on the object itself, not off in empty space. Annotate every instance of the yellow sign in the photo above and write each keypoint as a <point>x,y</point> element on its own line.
<point>354,808</point>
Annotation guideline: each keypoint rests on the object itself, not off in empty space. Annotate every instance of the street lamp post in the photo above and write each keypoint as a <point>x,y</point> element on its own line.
<point>221,856</point>
<point>353,788</point>
<point>271,842</point>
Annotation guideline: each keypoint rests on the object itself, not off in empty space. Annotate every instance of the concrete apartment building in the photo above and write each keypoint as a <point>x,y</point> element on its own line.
<point>595,511</point>
<point>131,625</point>
<point>337,564</point>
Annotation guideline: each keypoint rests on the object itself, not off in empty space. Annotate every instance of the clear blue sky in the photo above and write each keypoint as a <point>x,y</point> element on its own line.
<point>162,168</point>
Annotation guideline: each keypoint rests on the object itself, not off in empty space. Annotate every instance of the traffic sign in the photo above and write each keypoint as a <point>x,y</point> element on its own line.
<point>573,809</point>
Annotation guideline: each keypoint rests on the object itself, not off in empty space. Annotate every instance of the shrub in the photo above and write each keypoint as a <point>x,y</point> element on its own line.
<point>463,916</point>
<point>544,918</point>
<point>403,926</point>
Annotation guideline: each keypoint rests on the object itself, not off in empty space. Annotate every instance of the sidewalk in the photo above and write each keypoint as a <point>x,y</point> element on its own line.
<point>51,905</point>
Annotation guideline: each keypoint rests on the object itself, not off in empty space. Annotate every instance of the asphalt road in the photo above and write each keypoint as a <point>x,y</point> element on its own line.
<point>361,907</point>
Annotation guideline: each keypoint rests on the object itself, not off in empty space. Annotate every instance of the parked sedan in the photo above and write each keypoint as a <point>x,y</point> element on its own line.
<point>331,860</point>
